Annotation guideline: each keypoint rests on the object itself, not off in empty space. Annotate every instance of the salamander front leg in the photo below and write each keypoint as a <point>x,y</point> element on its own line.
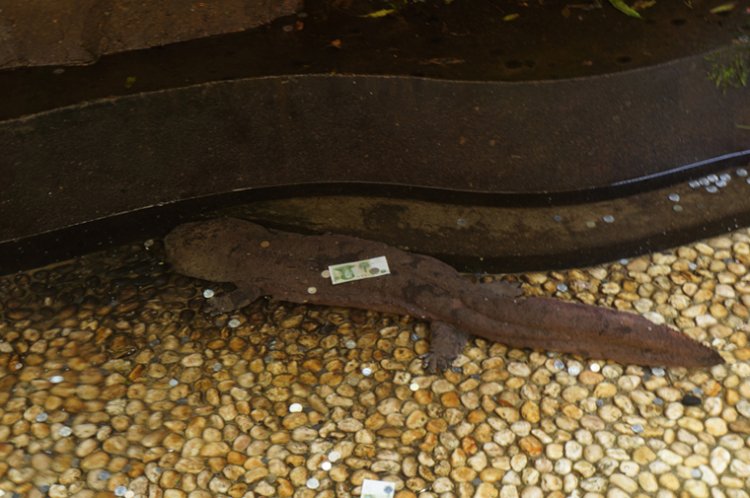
<point>238,298</point>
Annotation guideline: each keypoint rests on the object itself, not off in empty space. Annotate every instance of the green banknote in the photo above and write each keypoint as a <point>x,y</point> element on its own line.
<point>357,270</point>
<point>377,489</point>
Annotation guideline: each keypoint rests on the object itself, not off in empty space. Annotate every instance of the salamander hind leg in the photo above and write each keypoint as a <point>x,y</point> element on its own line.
<point>446,343</point>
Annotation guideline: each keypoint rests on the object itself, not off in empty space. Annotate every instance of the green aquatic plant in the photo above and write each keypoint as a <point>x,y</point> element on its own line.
<point>625,8</point>
<point>730,70</point>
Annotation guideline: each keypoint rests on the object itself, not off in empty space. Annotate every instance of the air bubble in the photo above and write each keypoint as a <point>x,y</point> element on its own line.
<point>608,218</point>
<point>677,208</point>
<point>712,178</point>
<point>712,189</point>
<point>674,197</point>
<point>741,172</point>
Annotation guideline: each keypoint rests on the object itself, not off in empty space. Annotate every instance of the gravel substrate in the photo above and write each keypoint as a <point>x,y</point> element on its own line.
<point>115,382</point>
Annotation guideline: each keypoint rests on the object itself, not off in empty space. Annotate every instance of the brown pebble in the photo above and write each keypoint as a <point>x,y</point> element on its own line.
<point>531,446</point>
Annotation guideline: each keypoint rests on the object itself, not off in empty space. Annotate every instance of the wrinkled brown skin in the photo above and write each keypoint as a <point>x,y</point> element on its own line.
<point>284,265</point>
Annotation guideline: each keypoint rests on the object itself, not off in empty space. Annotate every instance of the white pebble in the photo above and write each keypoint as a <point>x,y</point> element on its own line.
<point>312,290</point>
<point>208,293</point>
<point>65,431</point>
<point>56,379</point>
<point>574,369</point>
<point>313,483</point>
<point>595,367</point>
<point>326,466</point>
<point>367,371</point>
<point>295,408</point>
<point>325,274</point>
<point>414,386</point>
<point>334,456</point>
<point>234,323</point>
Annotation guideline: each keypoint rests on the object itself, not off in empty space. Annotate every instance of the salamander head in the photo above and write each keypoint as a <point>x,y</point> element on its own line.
<point>204,249</point>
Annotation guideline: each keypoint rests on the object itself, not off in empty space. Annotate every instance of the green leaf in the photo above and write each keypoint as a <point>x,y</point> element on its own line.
<point>625,8</point>
<point>379,13</point>
<point>726,7</point>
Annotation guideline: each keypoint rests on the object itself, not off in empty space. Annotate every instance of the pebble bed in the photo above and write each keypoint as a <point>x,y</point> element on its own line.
<point>114,381</point>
